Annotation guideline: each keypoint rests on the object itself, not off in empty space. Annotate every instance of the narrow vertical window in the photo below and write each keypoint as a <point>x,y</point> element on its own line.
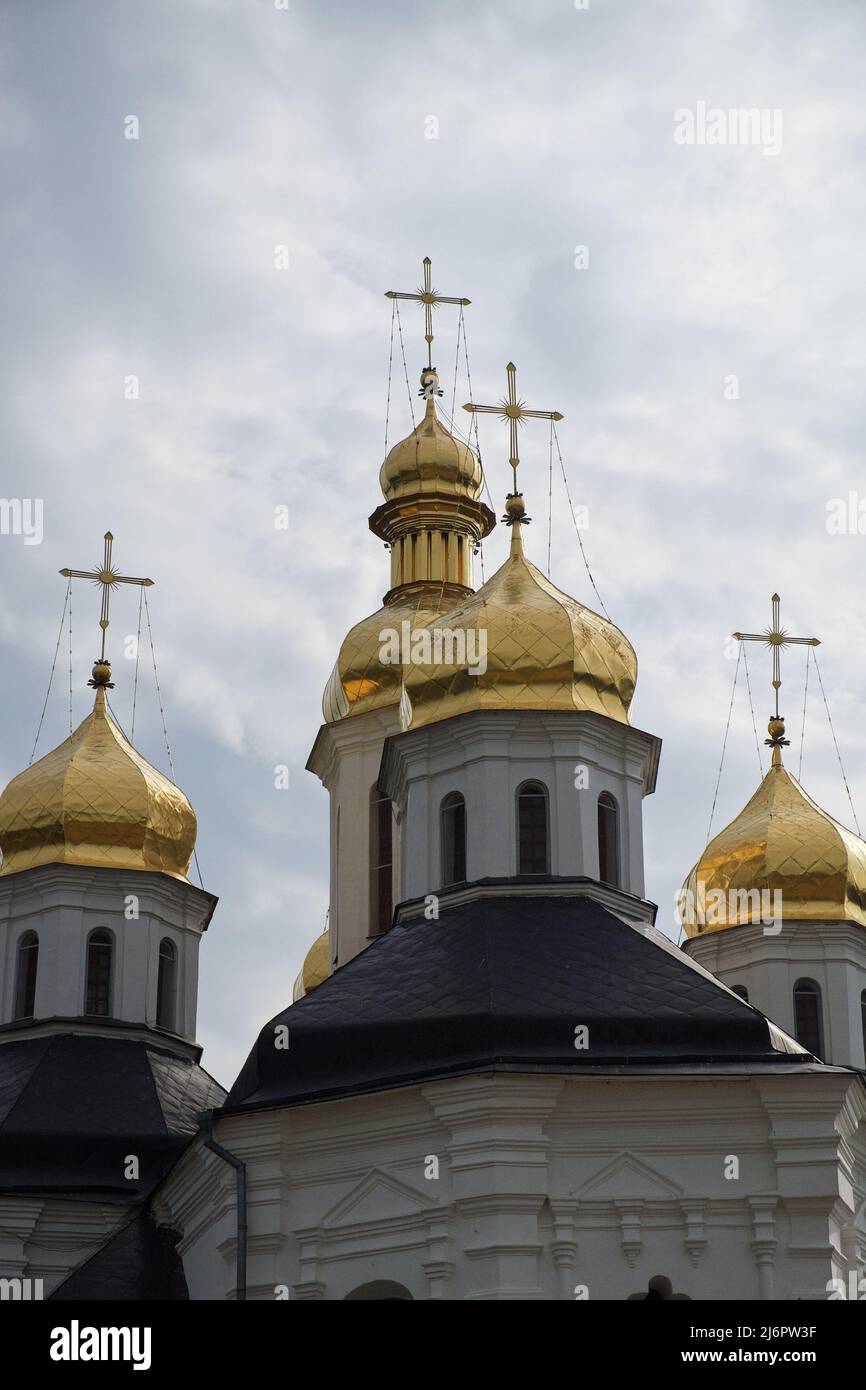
<point>608,840</point>
<point>532,847</point>
<point>97,995</point>
<point>453,839</point>
<point>807,1016</point>
<point>25,977</point>
<point>166,984</point>
<point>381,862</point>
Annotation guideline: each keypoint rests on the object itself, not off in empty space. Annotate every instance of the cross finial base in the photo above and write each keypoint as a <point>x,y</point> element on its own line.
<point>515,510</point>
<point>100,676</point>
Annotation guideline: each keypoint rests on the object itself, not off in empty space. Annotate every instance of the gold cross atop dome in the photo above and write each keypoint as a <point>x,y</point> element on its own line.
<point>776,638</point>
<point>514,412</point>
<point>106,575</point>
<point>429,298</point>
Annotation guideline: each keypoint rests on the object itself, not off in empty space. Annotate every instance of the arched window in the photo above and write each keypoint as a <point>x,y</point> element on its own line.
<point>25,976</point>
<point>532,849</point>
<point>608,840</point>
<point>166,984</point>
<point>807,1016</point>
<point>97,995</point>
<point>381,861</point>
<point>380,1291</point>
<point>741,991</point>
<point>659,1290</point>
<point>453,839</point>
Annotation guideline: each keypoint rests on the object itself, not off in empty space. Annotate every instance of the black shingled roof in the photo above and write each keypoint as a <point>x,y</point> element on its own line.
<point>500,983</point>
<point>139,1262</point>
<point>72,1106</point>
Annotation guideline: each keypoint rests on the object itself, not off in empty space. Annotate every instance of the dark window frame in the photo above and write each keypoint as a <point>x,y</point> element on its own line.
<point>452,824</point>
<point>808,1016</point>
<point>99,971</point>
<point>607,828</point>
<point>26,970</point>
<point>533,828</point>
<point>166,986</point>
<point>381,862</point>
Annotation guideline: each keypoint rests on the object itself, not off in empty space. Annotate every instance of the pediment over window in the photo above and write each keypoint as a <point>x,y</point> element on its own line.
<point>377,1197</point>
<point>628,1178</point>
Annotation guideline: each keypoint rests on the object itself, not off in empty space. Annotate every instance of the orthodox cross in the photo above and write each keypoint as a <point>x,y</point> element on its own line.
<point>776,638</point>
<point>429,298</point>
<point>514,412</point>
<point>108,577</point>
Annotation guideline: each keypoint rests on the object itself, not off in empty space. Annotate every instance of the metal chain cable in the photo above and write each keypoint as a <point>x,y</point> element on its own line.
<point>724,744</point>
<point>576,527</point>
<point>836,744</point>
<point>752,709</point>
<point>51,674</point>
<point>803,725</point>
<point>550,499</point>
<point>390,363</point>
<point>405,368</point>
<point>137,658</point>
<point>162,716</point>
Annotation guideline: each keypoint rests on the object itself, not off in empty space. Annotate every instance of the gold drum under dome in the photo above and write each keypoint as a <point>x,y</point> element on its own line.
<point>96,802</point>
<point>781,842</point>
<point>544,651</point>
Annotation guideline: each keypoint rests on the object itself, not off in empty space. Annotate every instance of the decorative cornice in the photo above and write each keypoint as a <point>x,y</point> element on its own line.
<point>504,723</point>
<point>157,1039</point>
<point>91,883</point>
<point>623,905</point>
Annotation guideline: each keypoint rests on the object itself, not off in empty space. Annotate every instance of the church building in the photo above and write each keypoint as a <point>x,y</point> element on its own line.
<point>495,1078</point>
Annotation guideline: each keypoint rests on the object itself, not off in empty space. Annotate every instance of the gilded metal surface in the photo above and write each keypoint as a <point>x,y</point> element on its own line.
<point>316,967</point>
<point>360,680</point>
<point>513,411</point>
<point>431,460</point>
<point>106,575</point>
<point>777,639</point>
<point>95,801</point>
<point>544,651</point>
<point>781,841</point>
<point>429,297</point>
<point>431,482</point>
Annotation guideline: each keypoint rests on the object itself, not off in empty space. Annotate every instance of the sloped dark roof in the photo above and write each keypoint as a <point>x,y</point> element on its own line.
<point>502,983</point>
<point>139,1262</point>
<point>72,1107</point>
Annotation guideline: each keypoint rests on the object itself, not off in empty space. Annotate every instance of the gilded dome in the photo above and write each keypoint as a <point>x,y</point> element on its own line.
<point>362,679</point>
<point>544,650</point>
<point>431,460</point>
<point>431,521</point>
<point>95,801</point>
<point>316,967</point>
<point>781,842</point>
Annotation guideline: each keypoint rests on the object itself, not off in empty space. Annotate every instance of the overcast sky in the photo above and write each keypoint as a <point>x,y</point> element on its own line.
<point>260,387</point>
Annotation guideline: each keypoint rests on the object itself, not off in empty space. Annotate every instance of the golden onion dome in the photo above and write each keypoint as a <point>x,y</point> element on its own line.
<point>431,521</point>
<point>95,801</point>
<point>316,967</point>
<point>431,460</point>
<point>780,843</point>
<point>364,677</point>
<point>544,650</point>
